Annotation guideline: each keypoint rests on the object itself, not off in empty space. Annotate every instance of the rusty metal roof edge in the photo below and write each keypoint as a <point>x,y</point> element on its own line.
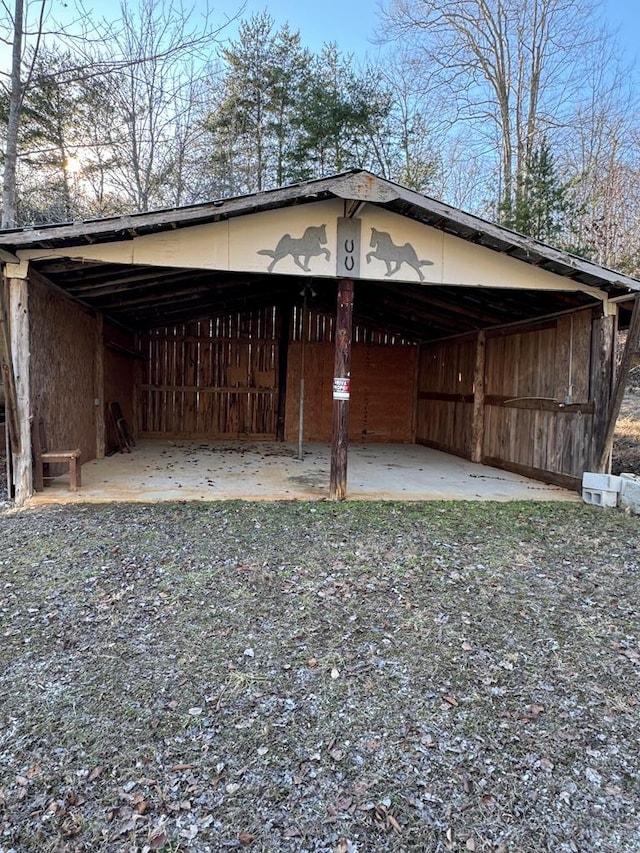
<point>356,184</point>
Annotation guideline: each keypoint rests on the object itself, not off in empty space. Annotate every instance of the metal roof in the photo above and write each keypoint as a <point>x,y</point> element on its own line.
<point>146,296</point>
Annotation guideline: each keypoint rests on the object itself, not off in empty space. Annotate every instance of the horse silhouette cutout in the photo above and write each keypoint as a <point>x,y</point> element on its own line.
<point>306,247</point>
<point>394,256</point>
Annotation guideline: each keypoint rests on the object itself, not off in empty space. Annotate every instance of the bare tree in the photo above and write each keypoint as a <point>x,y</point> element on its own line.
<point>599,152</point>
<point>509,66</point>
<point>17,32</point>
<point>153,101</point>
<point>143,74</point>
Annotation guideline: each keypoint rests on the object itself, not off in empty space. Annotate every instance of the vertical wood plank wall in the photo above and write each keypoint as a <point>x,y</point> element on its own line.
<point>219,378</point>
<point>211,379</point>
<point>445,395</point>
<point>538,404</point>
<point>62,378</point>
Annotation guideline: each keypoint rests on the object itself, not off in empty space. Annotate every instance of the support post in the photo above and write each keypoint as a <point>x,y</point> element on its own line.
<point>477,430</point>
<point>602,365</point>
<point>99,387</point>
<point>622,376</point>
<point>301,393</point>
<point>138,379</point>
<point>284,310</point>
<point>341,391</point>
<point>8,376</point>
<point>21,356</point>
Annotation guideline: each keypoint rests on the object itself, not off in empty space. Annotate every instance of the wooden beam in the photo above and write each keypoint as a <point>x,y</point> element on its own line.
<point>341,391</point>
<point>477,428</point>
<point>8,376</point>
<point>99,387</point>
<point>284,316</point>
<point>565,481</point>
<point>540,404</point>
<point>21,356</point>
<point>600,381</point>
<point>622,376</point>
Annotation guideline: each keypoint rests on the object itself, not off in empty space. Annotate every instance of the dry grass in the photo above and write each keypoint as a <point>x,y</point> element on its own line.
<point>626,449</point>
<point>318,677</point>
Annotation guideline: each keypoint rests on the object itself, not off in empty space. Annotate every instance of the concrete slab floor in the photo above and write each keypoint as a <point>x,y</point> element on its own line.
<point>245,470</point>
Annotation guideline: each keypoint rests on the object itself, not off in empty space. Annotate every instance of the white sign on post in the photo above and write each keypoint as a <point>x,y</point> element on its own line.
<point>341,387</point>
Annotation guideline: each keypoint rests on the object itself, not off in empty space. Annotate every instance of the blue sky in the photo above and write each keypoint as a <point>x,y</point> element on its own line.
<point>350,23</point>
<point>353,23</point>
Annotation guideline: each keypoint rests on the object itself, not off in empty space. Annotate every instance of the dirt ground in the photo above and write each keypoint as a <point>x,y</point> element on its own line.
<point>320,677</point>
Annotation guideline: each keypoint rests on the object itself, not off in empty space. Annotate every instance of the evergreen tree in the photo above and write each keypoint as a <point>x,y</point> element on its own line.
<point>252,122</point>
<point>52,129</point>
<point>542,204</point>
<point>339,119</point>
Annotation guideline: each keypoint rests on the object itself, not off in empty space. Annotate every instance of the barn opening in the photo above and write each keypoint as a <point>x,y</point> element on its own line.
<point>495,348</point>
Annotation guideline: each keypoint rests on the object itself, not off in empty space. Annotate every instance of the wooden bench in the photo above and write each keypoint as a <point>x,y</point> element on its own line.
<point>43,457</point>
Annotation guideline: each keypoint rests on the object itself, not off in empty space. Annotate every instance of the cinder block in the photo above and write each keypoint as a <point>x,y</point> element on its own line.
<point>630,492</point>
<point>600,497</point>
<point>601,482</point>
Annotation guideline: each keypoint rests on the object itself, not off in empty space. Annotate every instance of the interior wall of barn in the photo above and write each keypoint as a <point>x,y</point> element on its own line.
<point>63,351</point>
<point>445,395</point>
<point>383,380</point>
<point>120,375</point>
<point>220,378</point>
<point>213,378</point>
<point>535,408</point>
<point>543,389</point>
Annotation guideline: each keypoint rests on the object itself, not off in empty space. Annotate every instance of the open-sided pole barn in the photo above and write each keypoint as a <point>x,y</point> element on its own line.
<point>410,321</point>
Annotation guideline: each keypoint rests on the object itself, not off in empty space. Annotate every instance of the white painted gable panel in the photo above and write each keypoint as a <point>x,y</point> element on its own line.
<point>303,240</point>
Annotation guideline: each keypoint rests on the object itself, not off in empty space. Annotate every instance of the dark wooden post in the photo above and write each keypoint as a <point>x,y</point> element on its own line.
<point>477,431</point>
<point>99,387</point>
<point>341,391</point>
<point>600,382</point>
<point>284,313</point>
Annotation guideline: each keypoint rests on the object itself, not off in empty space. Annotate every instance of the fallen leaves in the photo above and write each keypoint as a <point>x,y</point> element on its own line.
<point>626,651</point>
<point>382,814</point>
<point>528,714</point>
<point>337,734</point>
<point>95,773</point>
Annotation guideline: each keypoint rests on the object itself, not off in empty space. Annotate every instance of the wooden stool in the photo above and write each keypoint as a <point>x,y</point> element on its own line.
<point>43,457</point>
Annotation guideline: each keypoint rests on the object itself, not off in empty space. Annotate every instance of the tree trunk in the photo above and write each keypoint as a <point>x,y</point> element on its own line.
<point>9,202</point>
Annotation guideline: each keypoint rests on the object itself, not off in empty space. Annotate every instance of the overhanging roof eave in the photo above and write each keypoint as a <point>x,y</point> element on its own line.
<point>357,185</point>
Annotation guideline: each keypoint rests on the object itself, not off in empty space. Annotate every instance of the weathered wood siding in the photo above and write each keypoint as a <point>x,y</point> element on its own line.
<point>383,377</point>
<point>445,395</point>
<point>62,379</point>
<point>538,412</point>
<point>538,397</point>
<point>382,392</point>
<point>211,379</point>
<point>220,378</point>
